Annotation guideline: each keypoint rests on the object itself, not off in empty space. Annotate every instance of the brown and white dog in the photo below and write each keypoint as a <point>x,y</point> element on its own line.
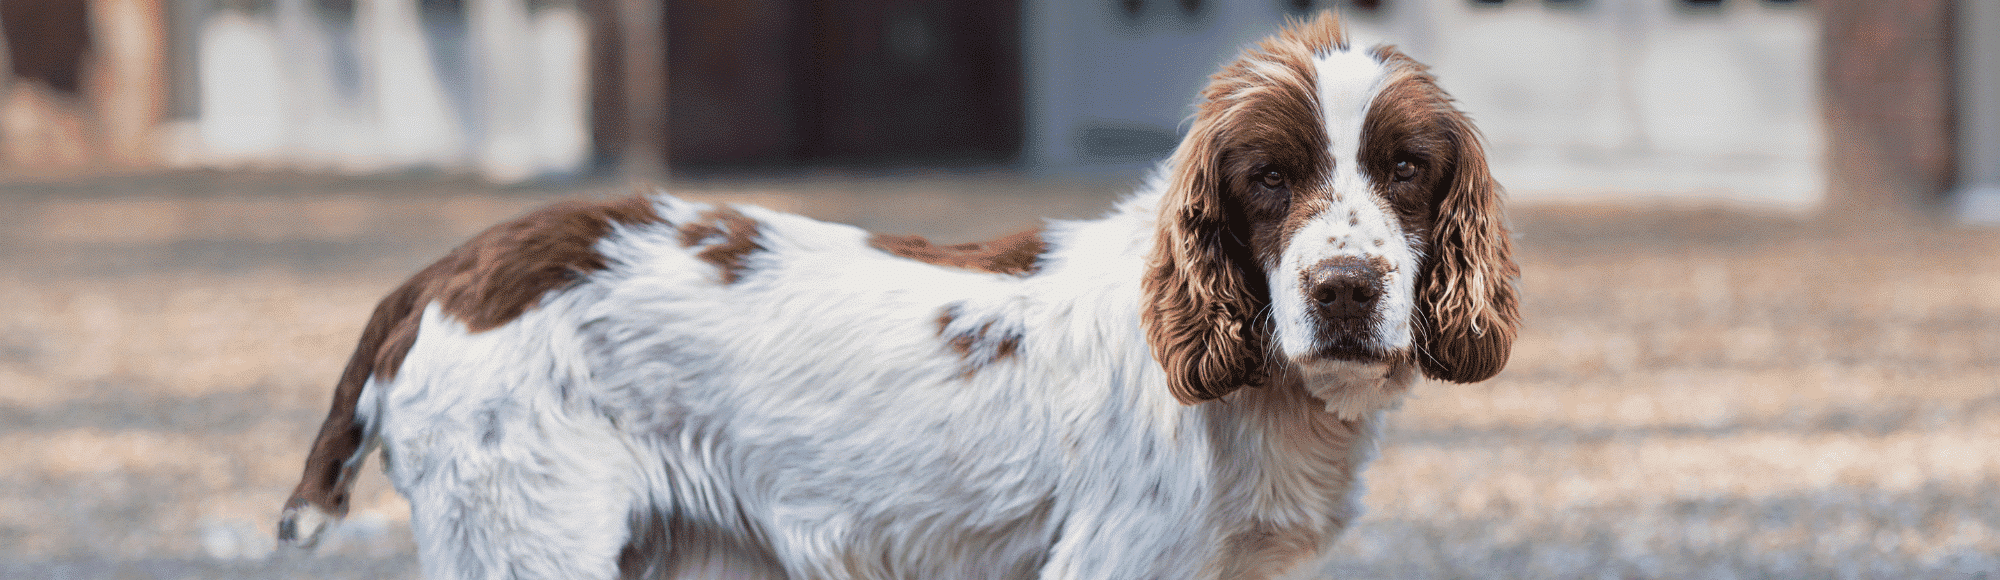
<point>663,388</point>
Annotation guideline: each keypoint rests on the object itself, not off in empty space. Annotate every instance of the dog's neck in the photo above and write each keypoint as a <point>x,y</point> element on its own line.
<point>1294,469</point>
<point>1311,426</point>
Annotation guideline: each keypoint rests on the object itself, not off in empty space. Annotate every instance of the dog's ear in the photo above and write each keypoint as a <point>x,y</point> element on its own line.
<point>1466,293</point>
<point>1200,305</point>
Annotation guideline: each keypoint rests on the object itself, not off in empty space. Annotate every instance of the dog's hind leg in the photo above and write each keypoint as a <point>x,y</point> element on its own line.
<point>483,506</point>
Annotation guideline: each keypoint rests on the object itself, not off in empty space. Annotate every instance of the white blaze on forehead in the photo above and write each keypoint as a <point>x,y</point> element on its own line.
<point>1353,222</point>
<point>1347,81</point>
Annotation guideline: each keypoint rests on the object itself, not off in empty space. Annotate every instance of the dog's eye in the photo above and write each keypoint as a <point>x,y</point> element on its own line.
<point>1272,178</point>
<point>1405,170</point>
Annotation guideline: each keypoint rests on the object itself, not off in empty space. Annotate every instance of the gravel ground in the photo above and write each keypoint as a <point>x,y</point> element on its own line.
<point>1697,394</point>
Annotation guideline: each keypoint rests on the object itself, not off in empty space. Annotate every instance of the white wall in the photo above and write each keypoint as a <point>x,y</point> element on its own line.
<point>1094,73</point>
<point>291,88</point>
<point>1608,98</point>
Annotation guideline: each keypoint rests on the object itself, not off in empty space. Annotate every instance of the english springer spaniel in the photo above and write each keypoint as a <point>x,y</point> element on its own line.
<point>1187,387</point>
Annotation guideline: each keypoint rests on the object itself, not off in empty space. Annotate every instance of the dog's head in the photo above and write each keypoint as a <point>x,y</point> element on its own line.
<point>1329,210</point>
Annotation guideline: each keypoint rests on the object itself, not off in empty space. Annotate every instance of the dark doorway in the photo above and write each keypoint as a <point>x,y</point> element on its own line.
<point>832,82</point>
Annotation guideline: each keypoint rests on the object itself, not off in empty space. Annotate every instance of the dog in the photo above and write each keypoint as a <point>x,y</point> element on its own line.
<point>1187,387</point>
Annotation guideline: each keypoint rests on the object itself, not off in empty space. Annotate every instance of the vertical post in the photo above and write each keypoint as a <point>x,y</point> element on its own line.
<point>131,90</point>
<point>642,28</point>
<point>1978,193</point>
<point>1888,104</point>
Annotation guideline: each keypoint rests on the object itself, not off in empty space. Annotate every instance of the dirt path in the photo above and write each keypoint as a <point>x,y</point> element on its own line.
<point>1696,393</point>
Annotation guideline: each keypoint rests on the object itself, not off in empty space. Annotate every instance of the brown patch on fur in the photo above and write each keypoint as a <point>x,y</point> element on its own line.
<point>506,270</point>
<point>738,239</point>
<point>484,283</point>
<point>1218,222</point>
<point>962,343</point>
<point>977,348</point>
<point>1467,303</point>
<point>1015,254</point>
<point>1220,219</point>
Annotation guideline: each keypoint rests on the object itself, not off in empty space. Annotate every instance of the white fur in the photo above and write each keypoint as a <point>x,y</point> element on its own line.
<point>1355,223</point>
<point>808,420</point>
<point>811,412</point>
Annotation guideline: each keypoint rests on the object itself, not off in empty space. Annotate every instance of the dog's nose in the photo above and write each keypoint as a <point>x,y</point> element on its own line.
<point>1345,288</point>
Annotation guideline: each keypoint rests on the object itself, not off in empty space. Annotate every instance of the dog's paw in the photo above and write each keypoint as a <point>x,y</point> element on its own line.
<point>303,524</point>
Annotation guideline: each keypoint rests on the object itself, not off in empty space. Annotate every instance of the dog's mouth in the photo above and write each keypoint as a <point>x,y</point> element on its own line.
<point>1352,340</point>
<point>1353,367</point>
<point>1349,351</point>
<point>1352,389</point>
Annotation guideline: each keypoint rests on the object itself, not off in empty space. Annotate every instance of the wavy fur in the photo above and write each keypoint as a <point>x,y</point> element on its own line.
<point>660,388</point>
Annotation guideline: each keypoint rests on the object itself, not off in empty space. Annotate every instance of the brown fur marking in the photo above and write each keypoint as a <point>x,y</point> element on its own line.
<point>1465,288</point>
<point>961,343</point>
<point>1205,286</point>
<point>1221,219</point>
<point>969,345</point>
<point>504,271</point>
<point>486,282</point>
<point>1015,254</point>
<point>737,240</point>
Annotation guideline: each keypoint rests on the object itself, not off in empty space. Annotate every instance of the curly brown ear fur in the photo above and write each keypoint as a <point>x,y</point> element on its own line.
<point>1202,293</point>
<point>1205,294</point>
<point>1466,294</point>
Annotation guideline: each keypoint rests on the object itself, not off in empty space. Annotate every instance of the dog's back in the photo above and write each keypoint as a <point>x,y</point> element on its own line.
<point>673,385</point>
<point>653,386</point>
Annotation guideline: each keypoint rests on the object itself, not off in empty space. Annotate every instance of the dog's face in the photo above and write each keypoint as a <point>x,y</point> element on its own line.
<point>1329,210</point>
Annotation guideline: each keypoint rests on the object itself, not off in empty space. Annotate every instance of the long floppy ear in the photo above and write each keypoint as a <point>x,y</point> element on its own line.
<point>1470,311</point>
<point>1201,304</point>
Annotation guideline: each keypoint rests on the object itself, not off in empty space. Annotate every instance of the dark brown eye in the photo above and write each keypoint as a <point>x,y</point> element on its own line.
<point>1404,170</point>
<point>1273,178</point>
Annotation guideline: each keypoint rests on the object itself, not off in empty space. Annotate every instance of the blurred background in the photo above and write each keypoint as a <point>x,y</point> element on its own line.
<point>1760,267</point>
<point>1783,103</point>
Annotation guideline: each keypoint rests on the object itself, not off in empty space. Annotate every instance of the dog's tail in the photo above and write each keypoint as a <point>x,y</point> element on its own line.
<point>346,438</point>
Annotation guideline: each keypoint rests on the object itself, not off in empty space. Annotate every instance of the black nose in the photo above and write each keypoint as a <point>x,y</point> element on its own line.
<point>1345,288</point>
